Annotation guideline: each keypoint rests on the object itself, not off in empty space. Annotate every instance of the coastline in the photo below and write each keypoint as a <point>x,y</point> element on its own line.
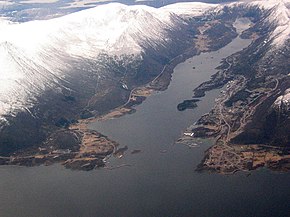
<point>240,112</point>
<point>91,148</point>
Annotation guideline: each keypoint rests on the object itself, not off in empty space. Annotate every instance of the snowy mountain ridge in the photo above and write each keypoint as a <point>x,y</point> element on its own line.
<point>189,9</point>
<point>93,30</point>
<point>26,48</point>
<point>35,56</point>
<point>279,16</point>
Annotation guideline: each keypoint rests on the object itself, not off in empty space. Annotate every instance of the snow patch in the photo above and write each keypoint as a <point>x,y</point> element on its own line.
<point>284,99</point>
<point>189,9</point>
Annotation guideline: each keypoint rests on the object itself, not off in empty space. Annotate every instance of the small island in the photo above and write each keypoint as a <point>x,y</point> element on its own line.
<point>187,104</point>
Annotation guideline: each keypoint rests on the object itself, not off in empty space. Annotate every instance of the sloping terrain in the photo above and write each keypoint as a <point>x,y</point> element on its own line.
<point>251,119</point>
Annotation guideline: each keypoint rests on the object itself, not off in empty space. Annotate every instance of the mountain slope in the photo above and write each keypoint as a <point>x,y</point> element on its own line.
<point>76,66</point>
<point>34,56</point>
<point>278,18</point>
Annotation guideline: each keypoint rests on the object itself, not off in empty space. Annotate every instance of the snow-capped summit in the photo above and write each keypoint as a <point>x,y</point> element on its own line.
<point>35,56</point>
<point>111,28</point>
<point>279,17</point>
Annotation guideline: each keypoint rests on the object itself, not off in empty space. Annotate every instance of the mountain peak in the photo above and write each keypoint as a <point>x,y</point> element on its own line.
<point>113,29</point>
<point>280,17</point>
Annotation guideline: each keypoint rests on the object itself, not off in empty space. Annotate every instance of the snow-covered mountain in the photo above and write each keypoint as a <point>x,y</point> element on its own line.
<point>278,17</point>
<point>34,56</point>
<point>44,56</point>
<point>276,14</point>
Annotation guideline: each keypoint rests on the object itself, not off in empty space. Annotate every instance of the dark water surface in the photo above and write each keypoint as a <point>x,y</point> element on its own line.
<point>160,181</point>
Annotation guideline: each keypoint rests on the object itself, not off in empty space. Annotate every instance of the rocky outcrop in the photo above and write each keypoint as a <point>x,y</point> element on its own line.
<point>277,126</point>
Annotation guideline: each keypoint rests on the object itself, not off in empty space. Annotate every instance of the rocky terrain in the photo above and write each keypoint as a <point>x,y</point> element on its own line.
<point>250,120</point>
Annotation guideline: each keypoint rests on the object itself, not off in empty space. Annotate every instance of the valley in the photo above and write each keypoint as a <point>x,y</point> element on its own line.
<point>55,123</point>
<point>109,99</point>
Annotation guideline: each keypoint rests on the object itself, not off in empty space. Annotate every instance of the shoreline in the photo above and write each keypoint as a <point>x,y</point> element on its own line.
<point>233,115</point>
<point>93,147</point>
